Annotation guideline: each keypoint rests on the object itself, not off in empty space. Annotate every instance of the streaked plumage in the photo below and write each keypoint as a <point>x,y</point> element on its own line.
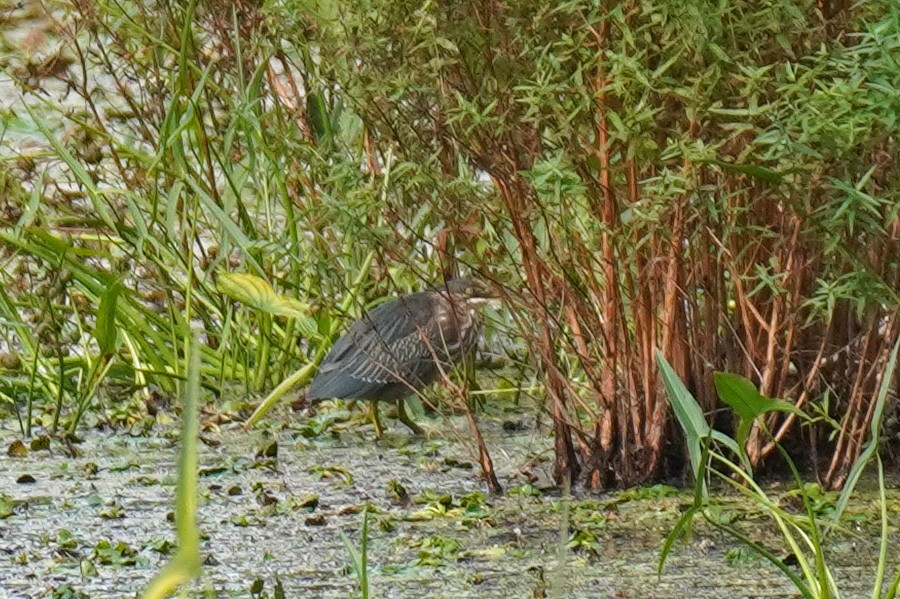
<point>402,345</point>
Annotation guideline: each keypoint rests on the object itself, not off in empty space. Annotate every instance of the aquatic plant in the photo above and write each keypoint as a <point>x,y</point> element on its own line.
<point>804,535</point>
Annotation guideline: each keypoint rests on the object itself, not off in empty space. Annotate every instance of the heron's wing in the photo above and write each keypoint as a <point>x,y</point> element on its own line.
<point>388,345</point>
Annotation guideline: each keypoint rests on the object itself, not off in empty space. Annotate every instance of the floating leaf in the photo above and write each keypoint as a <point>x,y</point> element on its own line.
<point>7,507</point>
<point>17,449</point>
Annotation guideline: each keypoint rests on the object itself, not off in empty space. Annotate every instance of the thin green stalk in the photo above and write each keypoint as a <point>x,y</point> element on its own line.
<point>784,522</point>
<point>558,582</point>
<point>57,410</point>
<point>262,350</point>
<point>359,560</point>
<point>871,448</point>
<point>815,541</point>
<point>885,533</point>
<point>185,566</point>
<point>775,560</point>
<point>96,373</point>
<point>29,402</point>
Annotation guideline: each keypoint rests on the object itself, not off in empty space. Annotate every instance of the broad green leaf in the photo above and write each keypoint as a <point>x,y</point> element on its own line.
<point>687,411</point>
<point>105,331</point>
<point>254,292</point>
<point>743,397</point>
<point>747,402</point>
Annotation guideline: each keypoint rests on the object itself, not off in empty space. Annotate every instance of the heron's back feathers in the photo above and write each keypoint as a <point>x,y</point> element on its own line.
<point>392,351</point>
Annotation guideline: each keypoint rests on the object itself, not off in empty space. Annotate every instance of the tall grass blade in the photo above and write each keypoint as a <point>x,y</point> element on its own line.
<point>874,438</point>
<point>359,558</point>
<point>185,566</point>
<point>885,533</point>
<point>105,331</point>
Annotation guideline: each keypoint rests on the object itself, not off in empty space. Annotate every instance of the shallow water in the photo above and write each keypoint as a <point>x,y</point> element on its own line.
<point>258,523</point>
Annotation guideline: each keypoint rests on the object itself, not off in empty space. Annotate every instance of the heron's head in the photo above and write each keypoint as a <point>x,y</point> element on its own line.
<point>472,291</point>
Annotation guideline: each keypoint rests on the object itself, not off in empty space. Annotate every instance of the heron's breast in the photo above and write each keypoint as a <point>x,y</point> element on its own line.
<point>459,329</point>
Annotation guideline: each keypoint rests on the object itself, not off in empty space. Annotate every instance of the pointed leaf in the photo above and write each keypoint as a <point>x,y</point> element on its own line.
<point>743,397</point>
<point>254,292</point>
<point>751,170</point>
<point>319,118</point>
<point>105,331</point>
<point>748,403</point>
<point>687,411</point>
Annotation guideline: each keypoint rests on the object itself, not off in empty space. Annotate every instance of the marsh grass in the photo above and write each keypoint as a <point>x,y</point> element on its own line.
<point>359,555</point>
<point>804,535</point>
<point>185,565</point>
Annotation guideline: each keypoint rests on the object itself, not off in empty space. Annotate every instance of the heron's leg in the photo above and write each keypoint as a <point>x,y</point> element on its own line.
<point>403,417</point>
<point>376,422</point>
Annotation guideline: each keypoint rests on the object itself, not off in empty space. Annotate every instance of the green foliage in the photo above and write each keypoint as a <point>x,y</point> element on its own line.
<point>359,558</point>
<point>105,332</point>
<point>688,412</point>
<point>435,550</point>
<point>803,534</point>
<point>690,416</point>
<point>258,294</point>
<point>265,171</point>
<point>185,565</point>
<point>748,404</point>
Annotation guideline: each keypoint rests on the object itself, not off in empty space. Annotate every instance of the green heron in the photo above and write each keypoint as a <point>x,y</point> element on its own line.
<point>402,346</point>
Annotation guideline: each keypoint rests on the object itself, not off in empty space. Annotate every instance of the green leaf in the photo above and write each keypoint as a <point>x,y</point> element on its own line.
<point>254,292</point>
<point>743,397</point>
<point>681,528</point>
<point>747,402</point>
<point>751,170</point>
<point>105,331</point>
<point>319,118</point>
<point>687,411</point>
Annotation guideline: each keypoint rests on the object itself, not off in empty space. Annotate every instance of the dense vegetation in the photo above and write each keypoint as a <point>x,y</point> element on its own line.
<point>716,180</point>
